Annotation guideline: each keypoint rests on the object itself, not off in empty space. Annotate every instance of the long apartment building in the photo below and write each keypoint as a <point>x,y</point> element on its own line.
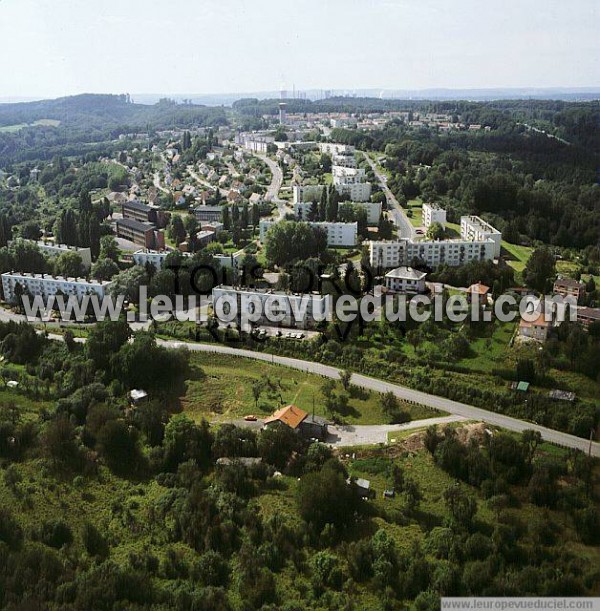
<point>387,254</point>
<point>46,284</point>
<point>209,214</point>
<point>52,249</point>
<point>143,234</point>
<point>338,234</point>
<point>302,210</point>
<point>356,192</point>
<point>294,309</point>
<point>137,210</point>
<point>475,228</point>
<point>157,258</point>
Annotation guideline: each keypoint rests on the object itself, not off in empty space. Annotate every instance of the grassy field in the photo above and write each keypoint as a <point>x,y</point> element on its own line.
<point>19,126</point>
<point>519,255</point>
<point>221,389</point>
<point>416,207</point>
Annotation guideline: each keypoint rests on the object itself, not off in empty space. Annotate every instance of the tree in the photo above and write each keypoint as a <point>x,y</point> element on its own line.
<point>185,440</point>
<point>276,444</point>
<point>461,506</point>
<point>105,339</point>
<point>176,229</point>
<point>540,269</point>
<point>109,249</point>
<point>59,443</point>
<point>69,264</point>
<point>412,496</point>
<point>345,377</point>
<point>104,269</point>
<point>118,444</point>
<point>436,231</point>
<point>323,497</point>
<point>289,241</point>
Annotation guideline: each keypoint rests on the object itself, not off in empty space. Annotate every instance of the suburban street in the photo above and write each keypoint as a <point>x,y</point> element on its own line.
<point>405,228</point>
<point>402,392</point>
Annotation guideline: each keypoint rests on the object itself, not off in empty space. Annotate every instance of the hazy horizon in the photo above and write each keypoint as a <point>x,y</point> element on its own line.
<point>220,48</point>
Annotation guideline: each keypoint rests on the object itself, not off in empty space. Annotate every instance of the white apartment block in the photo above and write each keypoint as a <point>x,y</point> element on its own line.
<point>405,280</point>
<point>292,309</point>
<point>307,193</point>
<point>338,234</point>
<point>157,258</point>
<point>51,249</point>
<point>46,284</point>
<point>347,161</point>
<point>475,228</point>
<point>333,148</point>
<point>403,252</point>
<point>433,213</point>
<point>302,210</point>
<point>358,192</point>
<point>347,176</point>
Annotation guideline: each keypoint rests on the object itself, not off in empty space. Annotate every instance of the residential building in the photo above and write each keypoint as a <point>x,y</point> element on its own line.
<point>46,284</point>
<point>136,210</point>
<point>140,233</point>
<point>537,329</point>
<point>567,287</point>
<point>433,213</point>
<point>205,237</point>
<point>405,280</point>
<point>332,148</point>
<point>586,316</point>
<point>307,425</point>
<point>307,193</point>
<point>481,290</point>
<point>51,249</point>
<point>147,255</point>
<point>338,234</point>
<point>302,210</point>
<point>356,192</point>
<point>347,176</point>
<point>387,254</point>
<point>294,309</point>
<point>475,228</point>
<point>208,214</point>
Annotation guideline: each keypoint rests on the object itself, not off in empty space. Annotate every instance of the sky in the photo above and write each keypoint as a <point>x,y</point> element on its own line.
<point>50,48</point>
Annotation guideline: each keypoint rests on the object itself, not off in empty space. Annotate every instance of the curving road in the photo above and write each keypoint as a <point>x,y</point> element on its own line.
<point>405,228</point>
<point>455,408</point>
<point>402,392</point>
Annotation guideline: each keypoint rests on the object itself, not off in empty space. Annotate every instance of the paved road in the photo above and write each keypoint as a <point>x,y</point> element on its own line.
<point>405,228</point>
<point>276,178</point>
<point>373,434</point>
<point>205,183</point>
<point>402,392</point>
<point>407,394</point>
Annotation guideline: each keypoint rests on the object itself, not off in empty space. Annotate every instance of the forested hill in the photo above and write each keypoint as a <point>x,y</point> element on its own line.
<point>74,125</point>
<point>109,110</point>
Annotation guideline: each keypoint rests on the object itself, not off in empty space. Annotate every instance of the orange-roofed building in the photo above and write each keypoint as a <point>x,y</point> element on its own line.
<point>290,415</point>
<point>307,425</point>
<point>535,329</point>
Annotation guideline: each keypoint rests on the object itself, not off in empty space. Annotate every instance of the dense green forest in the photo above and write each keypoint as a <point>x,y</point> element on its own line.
<point>77,122</point>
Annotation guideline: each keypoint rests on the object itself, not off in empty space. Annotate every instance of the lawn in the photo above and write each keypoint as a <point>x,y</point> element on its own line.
<point>221,389</point>
<point>517,255</point>
<point>416,206</point>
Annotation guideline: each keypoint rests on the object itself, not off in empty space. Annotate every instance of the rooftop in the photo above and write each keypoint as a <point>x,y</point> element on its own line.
<point>135,225</point>
<point>406,273</point>
<point>290,415</point>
